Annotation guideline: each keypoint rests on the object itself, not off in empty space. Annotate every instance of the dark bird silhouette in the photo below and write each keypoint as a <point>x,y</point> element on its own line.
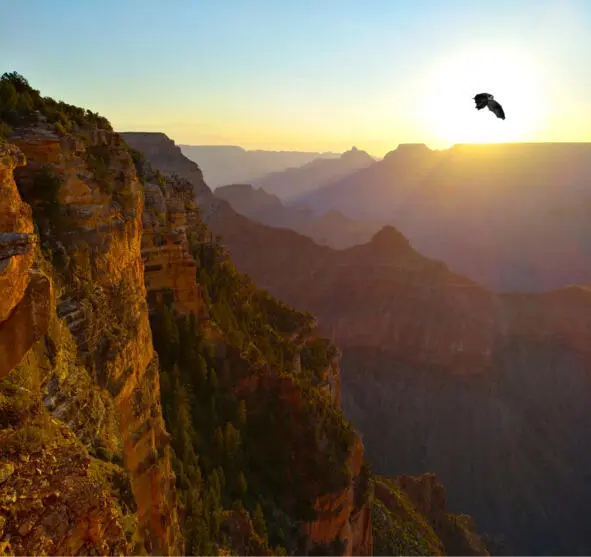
<point>485,99</point>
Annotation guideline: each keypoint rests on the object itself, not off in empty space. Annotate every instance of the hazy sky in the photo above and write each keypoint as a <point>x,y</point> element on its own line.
<point>312,74</point>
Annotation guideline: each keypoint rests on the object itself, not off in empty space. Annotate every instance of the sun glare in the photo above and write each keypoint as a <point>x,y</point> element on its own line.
<point>449,110</point>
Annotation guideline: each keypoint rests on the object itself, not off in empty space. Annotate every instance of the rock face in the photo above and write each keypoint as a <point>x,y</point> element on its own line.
<point>167,157</point>
<point>457,533</point>
<point>343,523</point>
<point>24,309</point>
<point>56,502</point>
<point>16,228</point>
<point>168,263</point>
<point>86,348</point>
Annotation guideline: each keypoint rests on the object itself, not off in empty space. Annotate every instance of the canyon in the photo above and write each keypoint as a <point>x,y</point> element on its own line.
<point>153,399</point>
<point>440,374</point>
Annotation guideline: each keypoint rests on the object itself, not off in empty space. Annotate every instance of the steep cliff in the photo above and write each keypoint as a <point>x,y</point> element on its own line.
<point>252,365</point>
<point>54,498</point>
<point>81,403</point>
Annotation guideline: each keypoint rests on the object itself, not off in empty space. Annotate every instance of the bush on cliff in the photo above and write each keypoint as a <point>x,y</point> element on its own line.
<point>18,101</point>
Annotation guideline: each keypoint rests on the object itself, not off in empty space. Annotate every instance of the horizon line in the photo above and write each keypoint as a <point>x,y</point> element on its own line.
<point>331,152</point>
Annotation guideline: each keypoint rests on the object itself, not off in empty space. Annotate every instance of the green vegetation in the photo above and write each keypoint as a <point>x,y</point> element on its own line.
<point>18,102</point>
<point>98,159</point>
<point>39,188</point>
<point>207,425</point>
<point>45,187</point>
<point>398,529</point>
<point>139,161</point>
<point>239,444</point>
<point>260,325</point>
<point>5,130</point>
<point>363,486</point>
<point>317,355</point>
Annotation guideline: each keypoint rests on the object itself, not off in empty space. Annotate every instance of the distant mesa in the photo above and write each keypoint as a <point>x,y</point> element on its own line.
<point>409,148</point>
<point>229,164</point>
<point>355,154</point>
<point>291,183</point>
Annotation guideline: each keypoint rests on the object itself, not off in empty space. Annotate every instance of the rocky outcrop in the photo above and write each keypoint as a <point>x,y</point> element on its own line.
<point>343,523</point>
<point>89,345</point>
<point>16,228</point>
<point>167,157</point>
<point>24,307</point>
<point>27,323</point>
<point>411,518</point>
<point>13,243</point>
<point>168,263</point>
<point>427,495</point>
<point>50,500</point>
<point>55,501</point>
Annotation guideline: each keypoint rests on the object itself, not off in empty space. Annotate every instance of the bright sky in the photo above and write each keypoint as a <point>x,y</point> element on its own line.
<point>312,74</point>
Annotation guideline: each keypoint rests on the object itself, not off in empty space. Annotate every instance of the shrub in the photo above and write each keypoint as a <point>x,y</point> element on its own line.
<point>139,162</point>
<point>18,100</point>
<point>27,439</point>
<point>46,185</point>
<point>5,129</point>
<point>98,159</point>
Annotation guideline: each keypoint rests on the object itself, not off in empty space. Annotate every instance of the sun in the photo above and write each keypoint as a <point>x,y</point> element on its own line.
<point>448,110</point>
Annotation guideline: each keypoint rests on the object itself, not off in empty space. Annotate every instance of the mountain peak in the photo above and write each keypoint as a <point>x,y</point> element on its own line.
<point>389,237</point>
<point>409,148</point>
<point>357,155</point>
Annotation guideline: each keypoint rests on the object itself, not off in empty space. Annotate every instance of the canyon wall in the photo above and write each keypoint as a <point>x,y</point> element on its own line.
<point>77,322</point>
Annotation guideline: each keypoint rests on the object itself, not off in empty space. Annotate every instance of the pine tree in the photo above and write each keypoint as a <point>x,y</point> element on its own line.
<point>232,440</point>
<point>200,370</point>
<point>241,485</point>
<point>258,521</point>
<point>241,414</point>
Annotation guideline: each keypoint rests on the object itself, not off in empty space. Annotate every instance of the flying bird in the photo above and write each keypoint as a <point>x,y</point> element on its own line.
<point>484,99</point>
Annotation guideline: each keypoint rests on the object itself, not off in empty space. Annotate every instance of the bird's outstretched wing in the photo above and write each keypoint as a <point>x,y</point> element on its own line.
<point>495,107</point>
<point>482,100</point>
